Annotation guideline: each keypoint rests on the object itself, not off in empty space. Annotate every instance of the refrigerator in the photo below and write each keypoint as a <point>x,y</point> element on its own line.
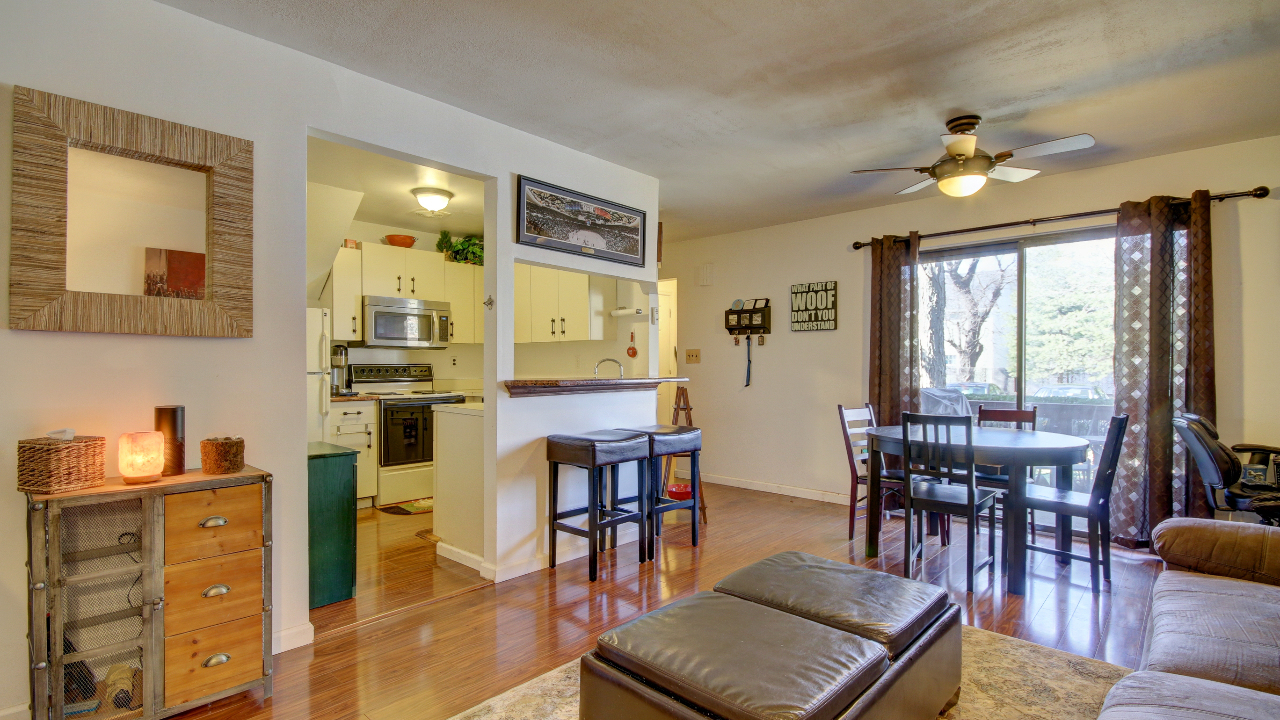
<point>319,330</point>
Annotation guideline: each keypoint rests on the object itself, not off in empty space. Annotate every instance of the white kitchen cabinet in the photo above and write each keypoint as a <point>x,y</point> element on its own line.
<point>424,271</point>
<point>478,300</point>
<point>459,292</point>
<point>575,306</point>
<point>383,270</point>
<point>459,483</point>
<point>345,296</point>
<point>523,313</point>
<point>355,425</point>
<point>544,304</point>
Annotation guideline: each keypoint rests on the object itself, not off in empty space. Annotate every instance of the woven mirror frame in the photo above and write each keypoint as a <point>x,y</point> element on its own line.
<point>44,127</point>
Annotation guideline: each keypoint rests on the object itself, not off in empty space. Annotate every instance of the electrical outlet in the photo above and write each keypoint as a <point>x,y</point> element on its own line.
<point>692,357</point>
<point>454,358</point>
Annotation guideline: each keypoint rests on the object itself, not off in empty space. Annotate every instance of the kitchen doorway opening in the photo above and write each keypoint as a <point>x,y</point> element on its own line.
<point>395,360</point>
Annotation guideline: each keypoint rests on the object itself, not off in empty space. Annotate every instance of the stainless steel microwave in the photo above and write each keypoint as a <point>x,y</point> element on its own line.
<point>401,323</point>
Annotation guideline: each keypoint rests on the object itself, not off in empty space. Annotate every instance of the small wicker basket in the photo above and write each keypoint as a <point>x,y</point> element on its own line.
<point>46,465</point>
<point>221,455</point>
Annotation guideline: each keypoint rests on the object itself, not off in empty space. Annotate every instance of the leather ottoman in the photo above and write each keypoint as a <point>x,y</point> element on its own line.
<point>793,637</point>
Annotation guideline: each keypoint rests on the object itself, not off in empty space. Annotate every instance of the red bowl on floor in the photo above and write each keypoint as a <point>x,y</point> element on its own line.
<point>404,241</point>
<point>679,491</point>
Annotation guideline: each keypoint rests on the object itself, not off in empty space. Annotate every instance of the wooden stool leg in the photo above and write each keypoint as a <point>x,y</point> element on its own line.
<point>615,473</point>
<point>642,493</point>
<point>554,506</point>
<point>991,535</point>
<point>695,486</point>
<point>909,545</point>
<point>655,478</point>
<point>593,522</point>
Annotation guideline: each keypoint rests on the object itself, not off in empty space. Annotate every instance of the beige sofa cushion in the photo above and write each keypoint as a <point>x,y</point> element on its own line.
<point>1215,628</point>
<point>1240,550</point>
<point>1152,695</point>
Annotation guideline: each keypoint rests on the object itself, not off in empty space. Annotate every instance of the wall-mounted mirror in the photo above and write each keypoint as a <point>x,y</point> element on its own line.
<point>128,224</point>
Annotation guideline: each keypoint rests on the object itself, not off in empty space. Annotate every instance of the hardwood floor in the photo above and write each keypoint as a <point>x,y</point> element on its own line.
<point>396,569</point>
<point>435,661</point>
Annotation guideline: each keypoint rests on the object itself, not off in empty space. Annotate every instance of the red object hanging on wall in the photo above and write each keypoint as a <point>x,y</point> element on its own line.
<point>631,351</point>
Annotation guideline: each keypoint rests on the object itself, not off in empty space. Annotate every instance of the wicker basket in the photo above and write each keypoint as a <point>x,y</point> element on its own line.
<point>46,465</point>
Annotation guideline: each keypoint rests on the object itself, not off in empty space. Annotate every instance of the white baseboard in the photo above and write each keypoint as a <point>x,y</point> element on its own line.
<point>15,712</point>
<point>570,548</point>
<point>294,637</point>
<point>776,489</point>
<point>471,560</point>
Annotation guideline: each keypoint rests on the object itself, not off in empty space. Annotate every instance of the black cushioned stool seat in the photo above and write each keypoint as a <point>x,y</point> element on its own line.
<point>595,451</point>
<point>878,606</point>
<point>667,440</point>
<point>745,661</point>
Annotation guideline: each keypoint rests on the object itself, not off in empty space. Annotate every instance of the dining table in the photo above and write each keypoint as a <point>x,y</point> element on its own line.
<point>1013,449</point>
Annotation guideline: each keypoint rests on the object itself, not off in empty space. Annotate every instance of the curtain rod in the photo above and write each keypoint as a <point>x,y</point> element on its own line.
<point>1259,192</point>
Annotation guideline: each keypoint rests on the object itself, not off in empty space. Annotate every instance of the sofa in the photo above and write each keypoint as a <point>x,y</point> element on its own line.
<point>1213,642</point>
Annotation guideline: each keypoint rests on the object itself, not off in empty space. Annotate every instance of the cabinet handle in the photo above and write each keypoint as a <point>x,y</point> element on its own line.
<point>215,590</point>
<point>368,439</point>
<point>353,324</point>
<point>216,659</point>
<point>561,326</point>
<point>451,333</point>
<point>214,521</point>
<point>413,285</point>
<point>398,284</point>
<point>553,327</point>
<point>358,412</point>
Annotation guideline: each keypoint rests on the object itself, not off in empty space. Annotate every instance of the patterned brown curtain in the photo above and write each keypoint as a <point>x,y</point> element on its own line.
<point>1164,357</point>
<point>894,366</point>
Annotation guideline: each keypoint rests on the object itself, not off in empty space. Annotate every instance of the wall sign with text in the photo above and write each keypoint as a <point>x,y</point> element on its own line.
<point>813,306</point>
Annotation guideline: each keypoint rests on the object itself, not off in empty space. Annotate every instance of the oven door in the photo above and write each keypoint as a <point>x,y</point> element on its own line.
<point>406,434</point>
<point>399,327</point>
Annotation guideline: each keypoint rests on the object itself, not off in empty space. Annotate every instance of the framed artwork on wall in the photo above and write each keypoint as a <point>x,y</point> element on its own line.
<point>557,218</point>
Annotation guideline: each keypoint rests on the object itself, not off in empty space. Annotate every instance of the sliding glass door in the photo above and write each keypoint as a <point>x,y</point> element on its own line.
<point>1021,324</point>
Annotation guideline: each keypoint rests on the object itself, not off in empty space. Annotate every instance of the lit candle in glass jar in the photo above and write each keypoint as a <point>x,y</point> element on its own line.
<point>141,456</point>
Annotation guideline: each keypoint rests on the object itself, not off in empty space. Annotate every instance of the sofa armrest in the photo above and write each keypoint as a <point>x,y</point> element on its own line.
<point>1235,550</point>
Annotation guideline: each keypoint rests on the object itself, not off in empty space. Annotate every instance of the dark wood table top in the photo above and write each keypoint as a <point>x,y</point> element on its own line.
<point>1000,446</point>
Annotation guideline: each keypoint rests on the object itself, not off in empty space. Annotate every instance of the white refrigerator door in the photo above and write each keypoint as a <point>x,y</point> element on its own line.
<point>319,330</point>
<point>317,405</point>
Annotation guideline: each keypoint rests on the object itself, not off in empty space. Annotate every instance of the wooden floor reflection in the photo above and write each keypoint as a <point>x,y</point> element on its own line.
<point>435,661</point>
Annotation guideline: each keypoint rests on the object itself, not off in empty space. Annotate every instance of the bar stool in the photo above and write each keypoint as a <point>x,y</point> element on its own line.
<point>593,452</point>
<point>665,440</point>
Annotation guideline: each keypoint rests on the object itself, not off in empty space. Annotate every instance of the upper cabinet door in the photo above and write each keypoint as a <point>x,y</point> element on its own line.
<point>347,295</point>
<point>459,292</point>
<point>524,315</point>
<point>575,306</point>
<point>544,304</point>
<point>383,270</point>
<point>477,278</point>
<point>425,276</point>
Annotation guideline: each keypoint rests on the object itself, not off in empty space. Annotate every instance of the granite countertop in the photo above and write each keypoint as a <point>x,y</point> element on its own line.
<point>571,386</point>
<point>353,398</point>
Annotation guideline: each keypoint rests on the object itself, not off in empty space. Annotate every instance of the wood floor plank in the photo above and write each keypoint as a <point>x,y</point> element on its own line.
<point>434,661</point>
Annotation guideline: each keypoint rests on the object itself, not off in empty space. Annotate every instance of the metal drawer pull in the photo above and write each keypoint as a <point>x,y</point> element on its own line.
<point>358,412</point>
<point>215,590</point>
<point>214,521</point>
<point>216,659</point>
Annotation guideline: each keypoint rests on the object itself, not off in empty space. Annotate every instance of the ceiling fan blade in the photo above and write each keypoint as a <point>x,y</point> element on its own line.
<point>860,172</point>
<point>960,144</point>
<point>1061,145</point>
<point>918,186</point>
<point>1011,174</point>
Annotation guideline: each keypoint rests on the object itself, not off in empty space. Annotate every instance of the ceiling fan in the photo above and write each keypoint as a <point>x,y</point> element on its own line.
<point>965,167</point>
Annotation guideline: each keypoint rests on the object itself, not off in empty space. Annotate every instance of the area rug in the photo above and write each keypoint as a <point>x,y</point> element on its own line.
<point>413,507</point>
<point>1002,678</point>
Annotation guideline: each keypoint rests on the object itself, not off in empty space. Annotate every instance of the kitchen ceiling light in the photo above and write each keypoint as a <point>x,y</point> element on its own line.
<point>432,198</point>
<point>962,185</point>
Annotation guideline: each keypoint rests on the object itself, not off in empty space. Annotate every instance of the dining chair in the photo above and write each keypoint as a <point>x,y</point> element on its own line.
<point>935,452</point>
<point>855,445</point>
<point>998,477</point>
<point>1094,505</point>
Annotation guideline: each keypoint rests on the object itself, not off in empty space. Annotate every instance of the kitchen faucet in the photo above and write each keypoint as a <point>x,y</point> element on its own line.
<point>615,362</point>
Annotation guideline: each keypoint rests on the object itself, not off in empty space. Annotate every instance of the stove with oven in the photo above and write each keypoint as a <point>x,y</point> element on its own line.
<point>406,431</point>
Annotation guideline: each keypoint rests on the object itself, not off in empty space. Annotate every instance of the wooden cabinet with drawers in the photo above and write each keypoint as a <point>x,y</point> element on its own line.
<point>149,600</point>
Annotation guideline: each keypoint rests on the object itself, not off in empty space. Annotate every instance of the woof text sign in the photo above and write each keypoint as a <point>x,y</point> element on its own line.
<point>813,306</point>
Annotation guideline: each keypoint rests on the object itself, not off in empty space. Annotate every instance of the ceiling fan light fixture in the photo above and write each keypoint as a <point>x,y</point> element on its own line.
<point>432,199</point>
<point>962,185</point>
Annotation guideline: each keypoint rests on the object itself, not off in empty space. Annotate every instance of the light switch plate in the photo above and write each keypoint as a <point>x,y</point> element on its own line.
<point>692,357</point>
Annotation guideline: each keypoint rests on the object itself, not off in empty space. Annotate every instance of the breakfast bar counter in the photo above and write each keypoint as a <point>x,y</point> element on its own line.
<point>576,386</point>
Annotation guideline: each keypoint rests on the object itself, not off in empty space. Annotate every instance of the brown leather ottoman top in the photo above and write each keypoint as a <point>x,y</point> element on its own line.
<point>888,609</point>
<point>744,661</point>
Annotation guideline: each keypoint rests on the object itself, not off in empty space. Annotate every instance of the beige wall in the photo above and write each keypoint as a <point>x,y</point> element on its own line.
<point>780,434</point>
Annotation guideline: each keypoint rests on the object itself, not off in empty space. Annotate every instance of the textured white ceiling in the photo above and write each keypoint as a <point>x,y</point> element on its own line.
<point>752,113</point>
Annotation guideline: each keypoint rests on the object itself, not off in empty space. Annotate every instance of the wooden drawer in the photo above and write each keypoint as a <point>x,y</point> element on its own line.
<point>212,522</point>
<point>211,591</point>
<point>191,667</point>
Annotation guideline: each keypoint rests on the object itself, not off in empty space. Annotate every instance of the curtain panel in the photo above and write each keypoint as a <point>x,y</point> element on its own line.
<point>1164,361</point>
<point>894,366</point>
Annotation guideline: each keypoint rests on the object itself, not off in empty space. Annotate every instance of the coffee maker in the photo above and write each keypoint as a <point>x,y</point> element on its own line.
<point>338,381</point>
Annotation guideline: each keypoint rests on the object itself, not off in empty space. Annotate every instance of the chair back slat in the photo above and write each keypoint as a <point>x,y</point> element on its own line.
<point>1108,461</point>
<point>1017,417</point>
<point>849,429</point>
<point>940,446</point>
